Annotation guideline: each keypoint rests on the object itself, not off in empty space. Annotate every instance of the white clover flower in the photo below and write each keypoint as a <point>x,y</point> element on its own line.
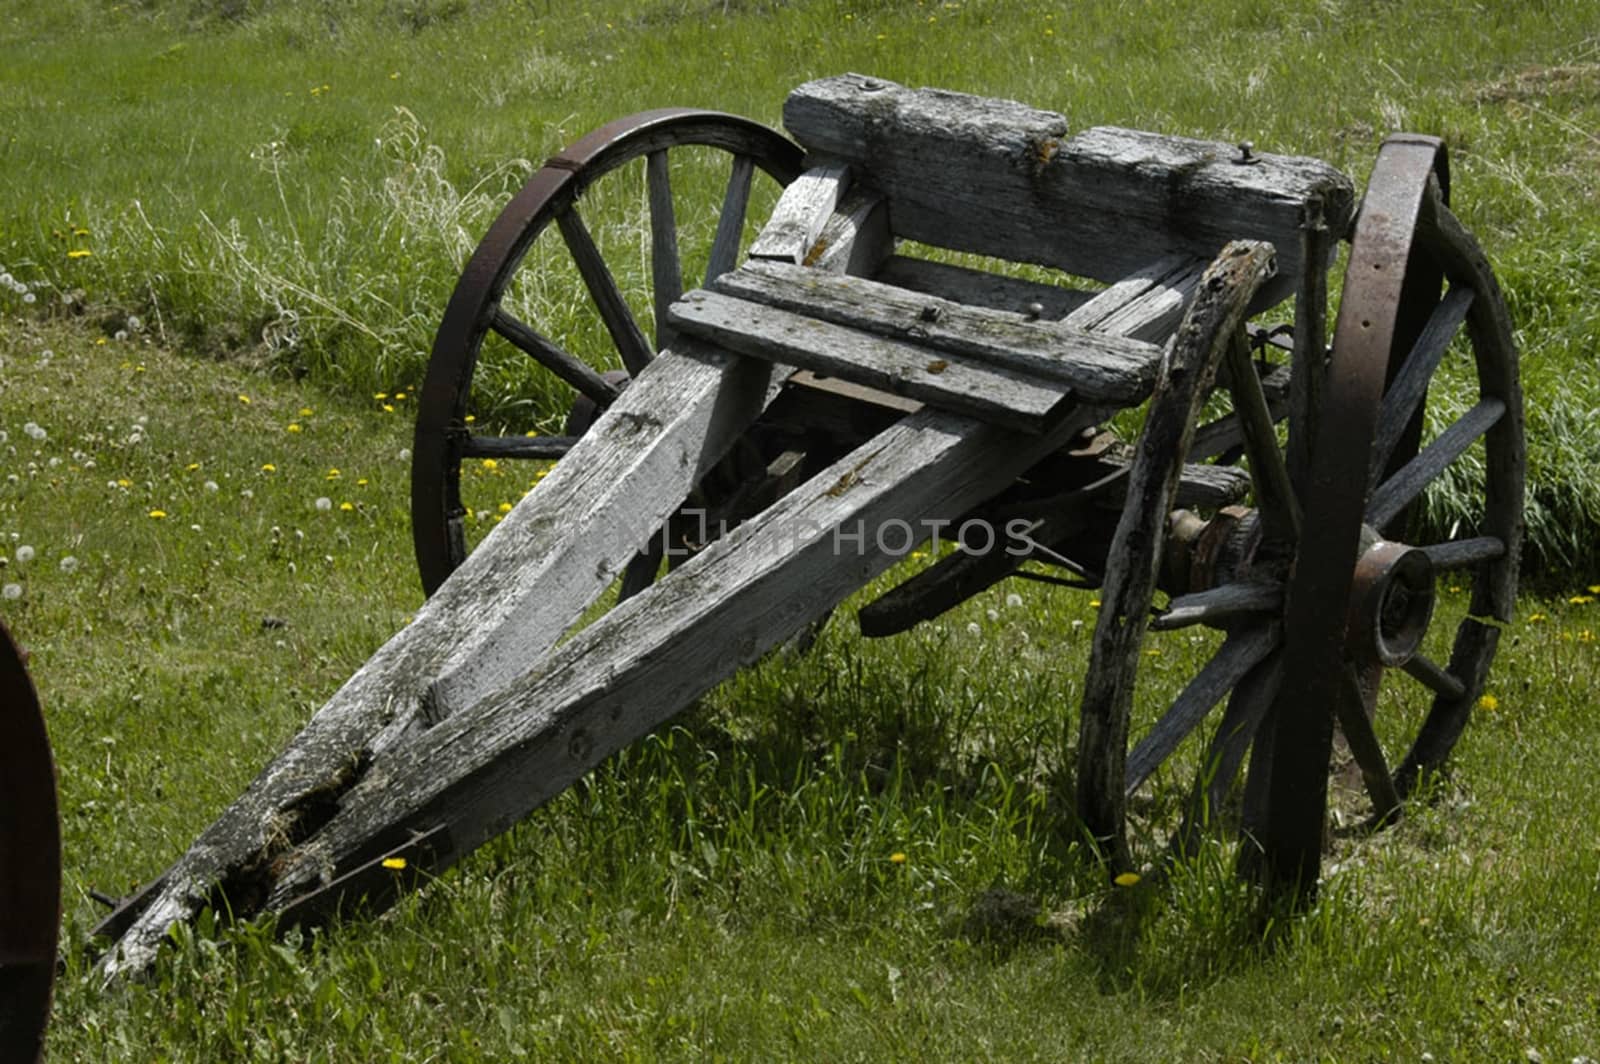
<point>34,431</point>
<point>324,503</point>
<point>24,554</point>
<point>69,564</point>
<point>1013,600</point>
<point>11,591</point>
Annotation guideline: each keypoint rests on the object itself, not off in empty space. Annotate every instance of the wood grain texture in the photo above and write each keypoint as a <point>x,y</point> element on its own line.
<point>801,212</point>
<point>1098,365</point>
<point>1024,299</point>
<point>1000,178</point>
<point>993,393</point>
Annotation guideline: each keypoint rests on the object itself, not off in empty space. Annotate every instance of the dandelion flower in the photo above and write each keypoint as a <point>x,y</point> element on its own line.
<point>34,432</point>
<point>324,504</point>
<point>361,483</point>
<point>1488,702</point>
<point>388,408</point>
<point>490,464</point>
<point>210,485</point>
<point>1535,618</point>
<point>69,564</point>
<point>245,399</point>
<point>1581,600</point>
<point>1013,600</point>
<point>306,411</point>
<point>380,396</point>
<point>505,507</point>
<point>268,467</point>
<point>79,253</point>
<point>973,628</point>
<point>292,427</point>
<point>347,506</point>
<point>405,454</point>
<point>897,858</point>
<point>11,592</point>
<point>992,614</point>
<point>158,514</point>
<point>1594,589</point>
<point>24,554</point>
<point>332,474</point>
<point>397,864</point>
<point>1127,879</point>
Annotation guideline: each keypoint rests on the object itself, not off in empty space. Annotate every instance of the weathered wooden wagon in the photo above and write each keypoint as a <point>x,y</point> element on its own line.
<point>743,457</point>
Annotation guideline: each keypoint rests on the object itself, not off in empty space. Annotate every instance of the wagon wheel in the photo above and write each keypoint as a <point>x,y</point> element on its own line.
<point>590,358</point>
<point>1317,589</point>
<point>30,863</point>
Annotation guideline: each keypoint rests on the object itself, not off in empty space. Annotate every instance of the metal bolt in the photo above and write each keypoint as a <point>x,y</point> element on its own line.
<point>1247,152</point>
<point>1035,310</point>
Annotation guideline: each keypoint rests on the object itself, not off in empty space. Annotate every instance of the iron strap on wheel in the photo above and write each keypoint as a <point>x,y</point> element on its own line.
<point>1299,735</point>
<point>30,862</point>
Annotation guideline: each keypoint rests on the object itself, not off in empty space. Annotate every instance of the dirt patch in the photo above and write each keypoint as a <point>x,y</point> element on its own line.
<point>1538,81</point>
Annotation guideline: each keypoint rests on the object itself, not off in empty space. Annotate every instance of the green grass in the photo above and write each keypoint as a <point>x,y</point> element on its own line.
<point>729,886</point>
<point>297,185</point>
<point>284,193</point>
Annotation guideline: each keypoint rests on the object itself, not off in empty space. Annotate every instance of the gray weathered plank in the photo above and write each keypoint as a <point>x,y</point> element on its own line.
<point>509,600</point>
<point>488,764</point>
<point>1099,367</point>
<point>1145,305</point>
<point>1028,300</point>
<point>856,237</point>
<point>800,213</point>
<point>998,394</point>
<point>1000,178</point>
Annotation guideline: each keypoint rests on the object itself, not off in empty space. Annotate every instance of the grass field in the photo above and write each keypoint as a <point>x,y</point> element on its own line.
<point>852,854</point>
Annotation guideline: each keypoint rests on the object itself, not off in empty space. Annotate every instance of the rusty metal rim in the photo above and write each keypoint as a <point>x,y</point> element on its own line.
<point>30,862</point>
<point>442,404</point>
<point>1334,500</point>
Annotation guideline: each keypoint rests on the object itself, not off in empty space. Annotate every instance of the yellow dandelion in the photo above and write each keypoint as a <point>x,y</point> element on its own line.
<point>245,399</point>
<point>191,467</point>
<point>361,483</point>
<point>331,474</point>
<point>1535,618</point>
<point>530,433</point>
<point>399,397</point>
<point>380,396</point>
<point>80,231</point>
<point>1581,600</point>
<point>388,408</point>
<point>292,427</point>
<point>396,864</point>
<point>490,464</point>
<point>505,507</point>
<point>268,467</point>
<point>1127,879</point>
<point>347,506</point>
<point>1487,702</point>
<point>79,253</point>
<point>306,411</point>
<point>897,858</point>
<point>100,341</point>
<point>158,514</point>
<point>1094,603</point>
<point>470,419</point>
<point>124,482</point>
<point>1594,589</point>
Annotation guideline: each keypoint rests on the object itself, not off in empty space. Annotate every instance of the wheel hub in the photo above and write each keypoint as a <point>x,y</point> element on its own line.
<point>1391,603</point>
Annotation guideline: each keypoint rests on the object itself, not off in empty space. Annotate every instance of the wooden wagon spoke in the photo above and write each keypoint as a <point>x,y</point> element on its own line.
<point>730,224</point>
<point>1353,708</point>
<point>608,300</point>
<point>1280,515</point>
<point>1239,654</point>
<point>1215,605</point>
<point>547,448</point>
<point>1398,492</point>
<point>666,271</point>
<point>1410,386</point>
<point>1241,719</point>
<point>1464,553</point>
<point>550,355</point>
<point>1434,677</point>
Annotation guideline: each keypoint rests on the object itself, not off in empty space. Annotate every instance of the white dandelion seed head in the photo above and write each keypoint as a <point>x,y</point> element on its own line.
<point>47,354</point>
<point>3,436</point>
<point>54,461</point>
<point>69,564</point>
<point>134,324</point>
<point>993,615</point>
<point>405,454</point>
<point>11,592</point>
<point>29,297</point>
<point>120,335</point>
<point>1013,600</point>
<point>210,485</point>
<point>34,431</point>
<point>24,554</point>
<point>142,419</point>
<point>324,503</point>
<point>247,494</point>
<point>973,628</point>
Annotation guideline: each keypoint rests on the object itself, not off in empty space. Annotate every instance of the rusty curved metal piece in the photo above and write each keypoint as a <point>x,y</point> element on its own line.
<point>441,434</point>
<point>1389,292</point>
<point>30,862</point>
